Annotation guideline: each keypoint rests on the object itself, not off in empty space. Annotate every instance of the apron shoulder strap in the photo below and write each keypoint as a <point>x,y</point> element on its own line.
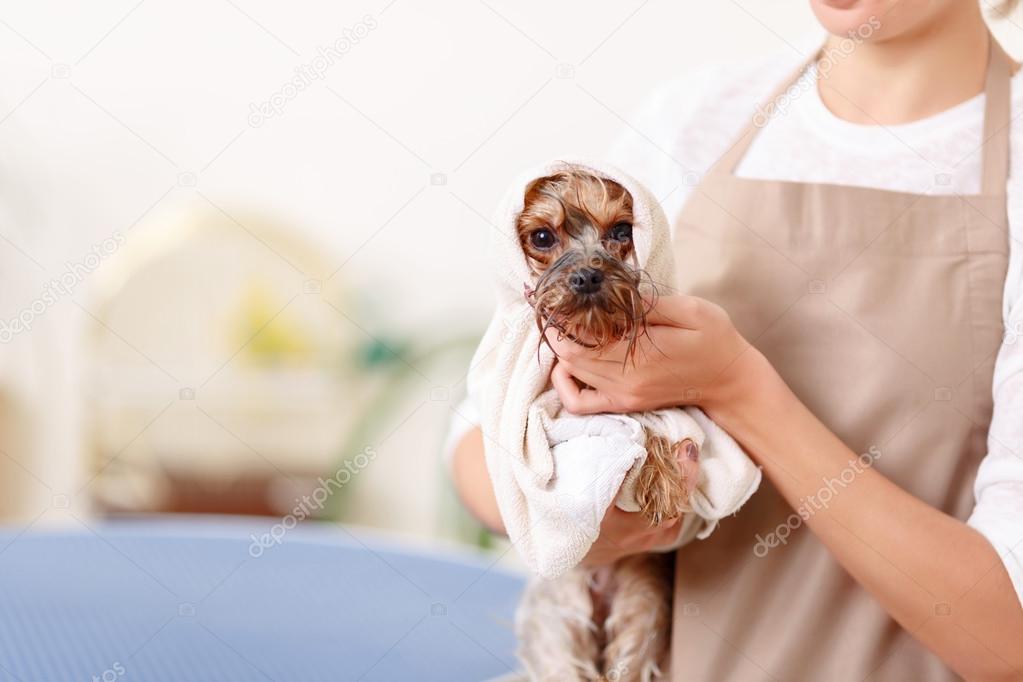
<point>997,121</point>
<point>763,115</point>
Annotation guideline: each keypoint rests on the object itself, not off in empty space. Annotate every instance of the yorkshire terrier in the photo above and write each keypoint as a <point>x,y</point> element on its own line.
<point>610,623</point>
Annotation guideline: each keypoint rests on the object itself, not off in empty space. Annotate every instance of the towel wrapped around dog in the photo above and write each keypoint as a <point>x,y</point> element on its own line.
<point>556,474</point>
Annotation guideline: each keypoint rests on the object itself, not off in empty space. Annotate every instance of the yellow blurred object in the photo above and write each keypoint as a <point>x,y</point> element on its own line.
<point>264,338</point>
<point>246,376</point>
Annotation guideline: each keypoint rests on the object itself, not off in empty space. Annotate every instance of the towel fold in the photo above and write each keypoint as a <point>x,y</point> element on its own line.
<point>555,474</point>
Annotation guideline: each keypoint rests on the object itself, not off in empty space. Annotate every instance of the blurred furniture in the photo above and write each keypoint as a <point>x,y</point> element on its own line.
<point>200,598</point>
<point>218,365</point>
<point>231,367</point>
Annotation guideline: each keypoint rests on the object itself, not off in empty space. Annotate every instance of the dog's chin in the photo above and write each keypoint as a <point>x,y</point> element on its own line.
<point>589,324</point>
<point>597,320</point>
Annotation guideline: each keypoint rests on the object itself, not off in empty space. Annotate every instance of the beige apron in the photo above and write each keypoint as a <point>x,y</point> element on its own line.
<point>883,311</point>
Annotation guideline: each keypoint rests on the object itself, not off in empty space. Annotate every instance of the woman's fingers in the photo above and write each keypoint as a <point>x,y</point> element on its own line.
<point>576,399</point>
<point>623,534</point>
<point>583,373</point>
<point>663,535</point>
<point>677,311</point>
<point>633,532</point>
<point>568,349</point>
<point>689,459</point>
<point>561,346</point>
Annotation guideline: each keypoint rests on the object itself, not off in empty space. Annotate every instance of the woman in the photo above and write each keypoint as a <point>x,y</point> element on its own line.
<point>851,252</point>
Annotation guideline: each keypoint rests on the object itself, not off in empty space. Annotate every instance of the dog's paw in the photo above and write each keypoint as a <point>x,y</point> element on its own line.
<point>661,488</point>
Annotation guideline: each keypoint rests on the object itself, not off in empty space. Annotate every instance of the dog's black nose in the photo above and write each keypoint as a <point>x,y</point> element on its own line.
<point>585,280</point>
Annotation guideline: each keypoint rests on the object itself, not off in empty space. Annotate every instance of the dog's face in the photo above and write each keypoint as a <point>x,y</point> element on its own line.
<point>575,230</point>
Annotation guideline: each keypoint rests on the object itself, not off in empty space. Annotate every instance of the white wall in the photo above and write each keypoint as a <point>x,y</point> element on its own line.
<point>467,89</point>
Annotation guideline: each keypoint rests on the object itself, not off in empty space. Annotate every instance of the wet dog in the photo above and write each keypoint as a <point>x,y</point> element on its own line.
<point>612,623</point>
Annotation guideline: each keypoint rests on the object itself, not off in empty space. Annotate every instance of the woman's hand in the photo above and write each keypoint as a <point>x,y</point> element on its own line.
<point>690,354</point>
<point>624,533</point>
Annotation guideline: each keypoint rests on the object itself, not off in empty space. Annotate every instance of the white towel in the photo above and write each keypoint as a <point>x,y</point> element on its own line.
<point>555,474</point>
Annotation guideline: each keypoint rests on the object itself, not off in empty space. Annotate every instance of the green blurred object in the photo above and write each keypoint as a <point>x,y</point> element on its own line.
<point>377,353</point>
<point>396,360</point>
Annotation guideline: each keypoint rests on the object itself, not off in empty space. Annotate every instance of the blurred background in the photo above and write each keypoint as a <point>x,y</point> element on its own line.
<point>242,243</point>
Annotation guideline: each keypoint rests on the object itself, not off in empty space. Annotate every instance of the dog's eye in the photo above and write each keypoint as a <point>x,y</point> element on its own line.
<point>542,239</point>
<point>622,232</point>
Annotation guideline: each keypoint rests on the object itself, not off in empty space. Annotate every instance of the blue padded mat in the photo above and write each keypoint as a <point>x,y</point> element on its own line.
<point>185,599</point>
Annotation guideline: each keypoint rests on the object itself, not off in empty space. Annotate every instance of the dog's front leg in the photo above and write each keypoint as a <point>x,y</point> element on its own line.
<point>558,640</point>
<point>638,625</point>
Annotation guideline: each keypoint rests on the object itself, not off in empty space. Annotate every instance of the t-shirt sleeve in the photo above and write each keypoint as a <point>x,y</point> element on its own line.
<point>645,144</point>
<point>464,418</point>
<point>998,512</point>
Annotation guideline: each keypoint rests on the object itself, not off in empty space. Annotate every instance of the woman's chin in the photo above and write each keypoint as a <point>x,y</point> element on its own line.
<point>879,20</point>
<point>848,17</point>
<point>840,4</point>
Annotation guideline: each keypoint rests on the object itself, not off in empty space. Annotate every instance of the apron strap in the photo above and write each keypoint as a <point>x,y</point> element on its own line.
<point>763,115</point>
<point>997,119</point>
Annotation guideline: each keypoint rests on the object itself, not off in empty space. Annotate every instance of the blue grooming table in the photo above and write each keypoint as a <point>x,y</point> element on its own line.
<point>192,598</point>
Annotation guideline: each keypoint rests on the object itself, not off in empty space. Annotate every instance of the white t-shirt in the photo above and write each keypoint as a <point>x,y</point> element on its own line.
<point>687,124</point>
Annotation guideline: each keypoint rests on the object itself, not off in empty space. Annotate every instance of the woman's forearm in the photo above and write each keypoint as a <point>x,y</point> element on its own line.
<point>471,480</point>
<point>939,578</point>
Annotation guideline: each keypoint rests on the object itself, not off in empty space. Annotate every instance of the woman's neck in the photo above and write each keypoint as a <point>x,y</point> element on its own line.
<point>909,77</point>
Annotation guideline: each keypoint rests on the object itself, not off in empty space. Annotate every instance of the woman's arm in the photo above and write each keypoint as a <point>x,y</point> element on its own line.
<point>471,480</point>
<point>939,578</point>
